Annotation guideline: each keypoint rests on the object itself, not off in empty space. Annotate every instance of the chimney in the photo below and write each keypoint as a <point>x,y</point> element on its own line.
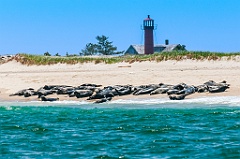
<point>166,42</point>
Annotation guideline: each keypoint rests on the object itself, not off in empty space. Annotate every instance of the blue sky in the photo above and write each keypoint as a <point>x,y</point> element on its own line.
<point>60,26</point>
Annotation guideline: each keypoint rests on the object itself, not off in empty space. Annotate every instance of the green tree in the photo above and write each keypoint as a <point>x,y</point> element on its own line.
<point>57,54</point>
<point>181,47</point>
<point>105,47</point>
<point>90,49</point>
<point>47,54</point>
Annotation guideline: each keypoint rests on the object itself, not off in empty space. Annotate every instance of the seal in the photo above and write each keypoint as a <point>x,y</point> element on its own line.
<point>172,91</point>
<point>43,92</point>
<point>201,88</point>
<point>91,85</point>
<point>64,89</point>
<point>124,90</point>
<point>29,93</point>
<point>145,89</point>
<point>177,97</point>
<point>159,91</point>
<point>104,100</point>
<point>187,91</point>
<point>217,89</point>
<point>43,98</point>
<point>83,93</point>
<point>103,93</point>
<point>22,92</point>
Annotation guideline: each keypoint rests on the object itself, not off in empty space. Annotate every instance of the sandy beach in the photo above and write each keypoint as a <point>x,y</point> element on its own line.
<point>15,76</point>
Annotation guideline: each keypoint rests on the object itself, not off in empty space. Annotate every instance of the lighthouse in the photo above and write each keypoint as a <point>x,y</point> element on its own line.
<point>148,26</point>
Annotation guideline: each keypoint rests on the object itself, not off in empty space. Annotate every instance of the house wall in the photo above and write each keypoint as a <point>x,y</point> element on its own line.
<point>131,51</point>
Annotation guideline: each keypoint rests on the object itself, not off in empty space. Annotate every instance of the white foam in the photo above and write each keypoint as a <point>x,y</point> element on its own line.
<point>224,100</point>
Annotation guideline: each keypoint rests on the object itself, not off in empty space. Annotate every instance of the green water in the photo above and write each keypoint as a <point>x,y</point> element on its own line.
<point>120,131</point>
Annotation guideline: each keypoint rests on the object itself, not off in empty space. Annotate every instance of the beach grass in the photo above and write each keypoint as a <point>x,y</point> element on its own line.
<point>30,59</point>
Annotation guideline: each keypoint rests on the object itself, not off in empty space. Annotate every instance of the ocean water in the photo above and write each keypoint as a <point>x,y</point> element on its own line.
<point>145,128</point>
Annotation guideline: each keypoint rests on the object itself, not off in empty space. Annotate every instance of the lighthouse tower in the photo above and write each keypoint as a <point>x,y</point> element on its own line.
<point>148,26</point>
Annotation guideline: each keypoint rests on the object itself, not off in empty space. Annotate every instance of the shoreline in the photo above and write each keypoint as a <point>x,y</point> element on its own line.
<point>116,98</point>
<point>15,76</point>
